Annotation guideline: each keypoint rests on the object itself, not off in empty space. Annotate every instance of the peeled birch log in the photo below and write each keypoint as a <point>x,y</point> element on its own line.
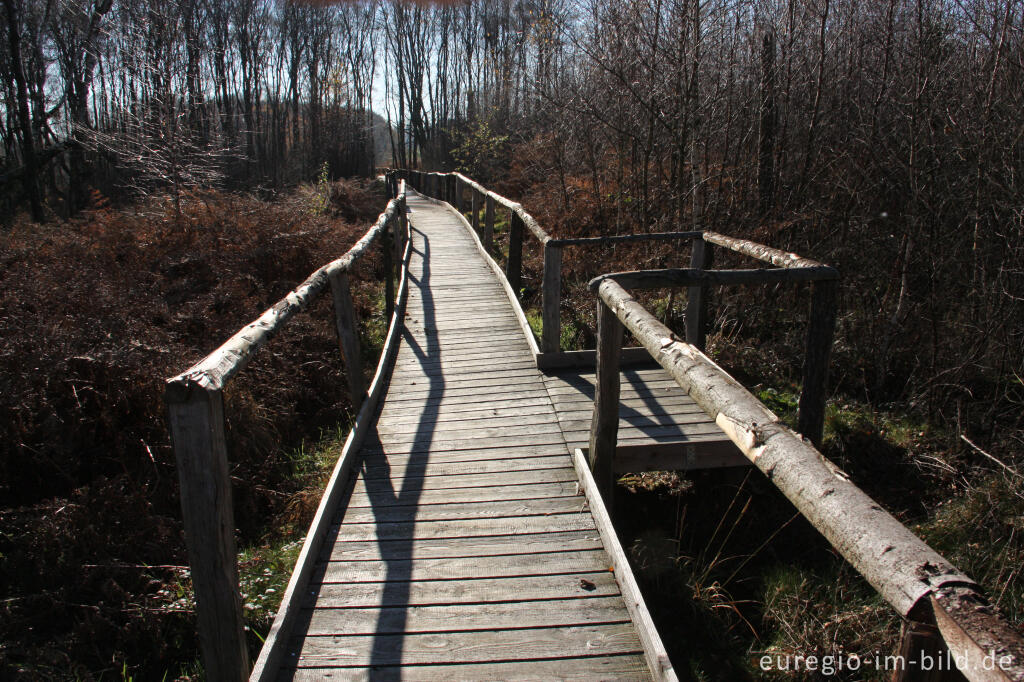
<point>214,371</point>
<point>896,562</point>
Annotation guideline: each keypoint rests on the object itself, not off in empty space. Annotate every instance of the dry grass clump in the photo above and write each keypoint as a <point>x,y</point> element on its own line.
<point>94,314</point>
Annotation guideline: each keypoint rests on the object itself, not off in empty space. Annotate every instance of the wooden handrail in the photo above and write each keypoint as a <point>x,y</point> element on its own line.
<point>195,409</point>
<point>811,412</point>
<point>912,577</point>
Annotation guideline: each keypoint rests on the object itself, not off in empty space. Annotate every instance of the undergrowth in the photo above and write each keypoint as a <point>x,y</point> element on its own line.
<point>95,313</point>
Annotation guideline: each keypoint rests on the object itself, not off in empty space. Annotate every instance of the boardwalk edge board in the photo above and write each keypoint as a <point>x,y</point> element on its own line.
<point>269,662</point>
<point>654,649</point>
<point>498,272</point>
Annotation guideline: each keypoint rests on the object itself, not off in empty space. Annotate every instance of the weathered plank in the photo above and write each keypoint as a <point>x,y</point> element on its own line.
<point>626,668</point>
<point>500,616</point>
<point>467,510</point>
<point>527,588</point>
<point>468,647</point>
<point>482,547</point>
<point>468,568</point>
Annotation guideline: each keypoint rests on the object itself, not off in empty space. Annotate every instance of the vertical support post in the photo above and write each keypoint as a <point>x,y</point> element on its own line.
<point>399,238</point>
<point>474,204</point>
<point>696,297</point>
<point>604,425</point>
<point>196,419</point>
<point>489,224</point>
<point>920,641</point>
<point>811,410</point>
<point>514,266</point>
<point>348,337</point>
<point>551,295</point>
<point>458,194</point>
<point>387,248</point>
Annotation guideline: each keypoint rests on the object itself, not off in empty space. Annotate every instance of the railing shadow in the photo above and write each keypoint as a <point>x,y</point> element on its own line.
<point>395,503</point>
<point>665,422</point>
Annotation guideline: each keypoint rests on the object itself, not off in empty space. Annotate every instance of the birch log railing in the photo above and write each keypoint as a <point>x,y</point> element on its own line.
<point>916,581</point>
<point>789,268</point>
<point>195,408</point>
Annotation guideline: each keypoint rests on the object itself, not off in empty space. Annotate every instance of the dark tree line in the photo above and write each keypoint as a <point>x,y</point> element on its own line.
<point>178,94</point>
<point>882,136</point>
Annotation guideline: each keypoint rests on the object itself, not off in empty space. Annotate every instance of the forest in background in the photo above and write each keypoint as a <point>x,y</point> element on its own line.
<point>883,138</point>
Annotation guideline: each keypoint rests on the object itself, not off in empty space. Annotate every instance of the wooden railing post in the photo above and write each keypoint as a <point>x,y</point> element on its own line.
<point>400,234</point>
<point>348,337</point>
<point>696,297</point>
<point>387,248</point>
<point>811,410</point>
<point>196,419</point>
<point>604,426</point>
<point>551,296</point>
<point>458,194</point>
<point>489,224</point>
<point>474,204</point>
<point>514,266</point>
<point>920,643</point>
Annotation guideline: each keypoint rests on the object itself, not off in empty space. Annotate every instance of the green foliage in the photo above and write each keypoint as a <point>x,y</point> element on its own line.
<point>482,153</point>
<point>320,198</point>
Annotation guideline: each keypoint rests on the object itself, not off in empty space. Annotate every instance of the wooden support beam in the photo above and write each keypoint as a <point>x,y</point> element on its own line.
<point>514,266</point>
<point>348,337</point>
<point>814,394</point>
<point>551,332</point>
<point>196,419</point>
<point>604,426</point>
<point>488,237</point>
<point>696,296</point>
<point>458,194</point>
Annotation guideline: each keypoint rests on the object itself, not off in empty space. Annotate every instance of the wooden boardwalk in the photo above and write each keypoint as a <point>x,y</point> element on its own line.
<point>464,549</point>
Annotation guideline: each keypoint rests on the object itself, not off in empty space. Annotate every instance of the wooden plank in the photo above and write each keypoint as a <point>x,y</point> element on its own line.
<point>466,568</point>
<point>446,413</point>
<point>483,480</point>
<point>437,432</point>
<point>628,668</point>
<point>363,621</point>
<point>692,456</point>
<point>528,588</point>
<point>431,468</point>
<point>467,647</point>
<point>463,528</point>
<point>654,650</point>
<point>587,359</point>
<point>681,423</point>
<point>468,397</point>
<point>378,459</point>
<point>488,546</point>
<point>467,510</point>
